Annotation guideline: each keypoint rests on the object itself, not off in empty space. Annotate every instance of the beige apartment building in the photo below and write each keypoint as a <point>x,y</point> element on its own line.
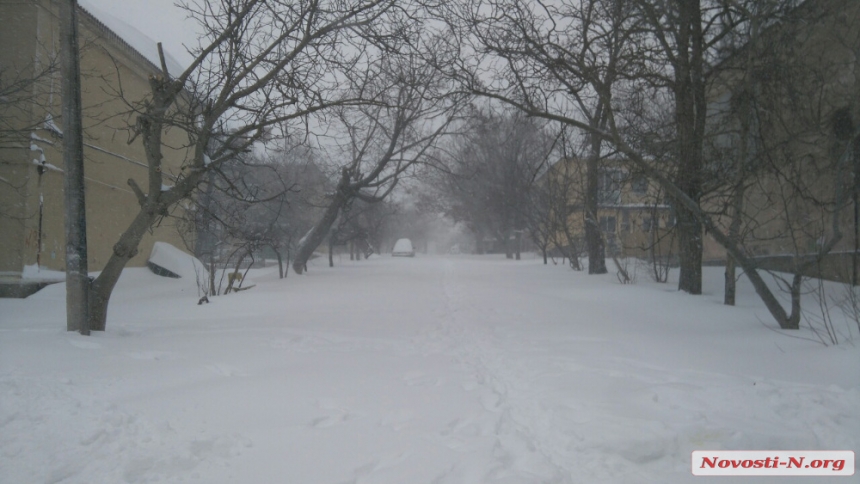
<point>633,216</point>
<point>114,76</point>
<point>785,126</point>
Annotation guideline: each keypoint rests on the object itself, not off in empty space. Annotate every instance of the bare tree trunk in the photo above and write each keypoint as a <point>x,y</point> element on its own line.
<point>659,261</point>
<point>785,320</point>
<point>211,274</point>
<point>518,242</point>
<point>745,115</point>
<point>690,107</point>
<point>317,234</point>
<point>280,263</point>
<point>570,249</point>
<point>735,224</point>
<point>245,274</point>
<point>731,282</point>
<point>331,251</point>
<point>152,205</point>
<point>77,276</point>
<point>689,253</point>
<point>204,248</point>
<point>593,240</point>
<point>124,250</point>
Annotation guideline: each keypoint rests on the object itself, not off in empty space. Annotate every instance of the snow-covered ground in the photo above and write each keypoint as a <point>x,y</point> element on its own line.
<point>428,370</point>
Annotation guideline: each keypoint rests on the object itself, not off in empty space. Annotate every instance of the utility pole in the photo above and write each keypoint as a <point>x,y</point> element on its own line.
<point>77,277</point>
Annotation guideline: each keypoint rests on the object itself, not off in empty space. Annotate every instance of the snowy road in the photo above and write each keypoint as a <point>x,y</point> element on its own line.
<point>425,370</point>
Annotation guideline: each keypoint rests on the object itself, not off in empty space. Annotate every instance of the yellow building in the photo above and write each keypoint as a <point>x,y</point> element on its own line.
<point>632,213</point>
<point>114,76</point>
<point>784,124</point>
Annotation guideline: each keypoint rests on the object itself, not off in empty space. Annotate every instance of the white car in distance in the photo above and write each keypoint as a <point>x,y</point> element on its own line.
<point>403,248</point>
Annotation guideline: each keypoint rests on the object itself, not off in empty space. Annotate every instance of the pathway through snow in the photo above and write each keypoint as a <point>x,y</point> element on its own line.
<point>425,370</point>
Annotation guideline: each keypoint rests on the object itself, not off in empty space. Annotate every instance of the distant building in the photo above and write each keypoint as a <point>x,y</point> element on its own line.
<point>114,73</point>
<point>633,216</point>
<point>784,124</point>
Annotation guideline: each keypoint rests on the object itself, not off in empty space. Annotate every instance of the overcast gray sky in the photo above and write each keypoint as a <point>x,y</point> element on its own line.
<point>160,20</point>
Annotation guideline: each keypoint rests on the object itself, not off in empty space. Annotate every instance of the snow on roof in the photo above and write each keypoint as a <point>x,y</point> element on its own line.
<point>136,39</point>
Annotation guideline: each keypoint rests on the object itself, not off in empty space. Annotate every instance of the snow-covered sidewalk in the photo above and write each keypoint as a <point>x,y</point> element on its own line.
<point>444,370</point>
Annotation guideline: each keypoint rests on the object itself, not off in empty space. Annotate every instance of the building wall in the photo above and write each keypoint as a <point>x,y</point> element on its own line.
<point>632,214</point>
<point>805,70</point>
<point>16,63</point>
<point>114,77</point>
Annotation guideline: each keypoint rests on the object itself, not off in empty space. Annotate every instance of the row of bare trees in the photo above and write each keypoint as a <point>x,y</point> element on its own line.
<point>341,76</point>
<point>383,141</point>
<point>490,168</point>
<point>254,203</point>
<point>742,111</point>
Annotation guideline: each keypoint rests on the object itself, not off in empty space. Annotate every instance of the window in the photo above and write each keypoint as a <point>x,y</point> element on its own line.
<point>639,184</point>
<point>607,224</point>
<point>625,221</point>
<point>609,186</point>
<point>649,223</point>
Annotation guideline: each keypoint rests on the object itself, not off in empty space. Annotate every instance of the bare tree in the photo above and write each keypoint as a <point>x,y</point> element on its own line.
<point>20,88</point>
<point>361,227</point>
<point>239,213</point>
<point>670,51</point>
<point>383,141</point>
<point>680,29</point>
<point>557,61</point>
<point>304,205</point>
<point>264,66</point>
<point>571,60</point>
<point>557,198</point>
<point>736,157</point>
<point>492,167</point>
<point>792,162</point>
<point>540,225</point>
<point>455,192</point>
<point>795,189</point>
